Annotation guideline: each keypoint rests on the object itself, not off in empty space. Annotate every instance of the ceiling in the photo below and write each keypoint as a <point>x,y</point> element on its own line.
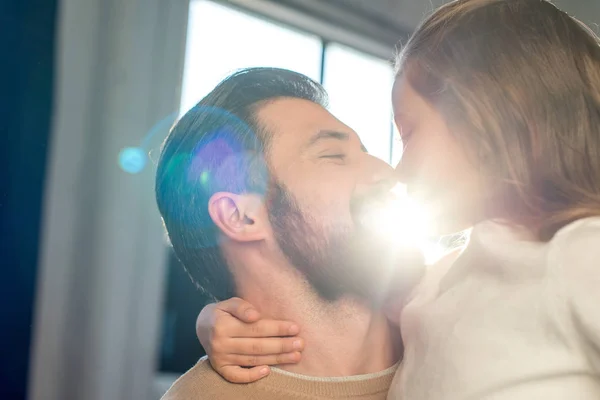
<point>406,14</point>
<point>389,22</point>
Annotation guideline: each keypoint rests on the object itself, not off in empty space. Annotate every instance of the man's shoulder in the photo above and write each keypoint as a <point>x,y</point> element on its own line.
<point>200,382</point>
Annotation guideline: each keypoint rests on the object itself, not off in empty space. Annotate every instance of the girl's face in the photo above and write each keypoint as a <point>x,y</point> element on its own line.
<point>436,170</point>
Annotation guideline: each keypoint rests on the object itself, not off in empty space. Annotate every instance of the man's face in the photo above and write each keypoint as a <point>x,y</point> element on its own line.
<point>320,174</point>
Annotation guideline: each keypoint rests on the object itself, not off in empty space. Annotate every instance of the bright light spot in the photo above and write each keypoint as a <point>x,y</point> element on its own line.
<point>132,159</point>
<point>432,252</point>
<point>404,222</point>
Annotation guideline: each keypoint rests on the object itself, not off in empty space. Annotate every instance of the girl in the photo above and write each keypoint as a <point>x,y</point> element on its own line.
<point>498,105</point>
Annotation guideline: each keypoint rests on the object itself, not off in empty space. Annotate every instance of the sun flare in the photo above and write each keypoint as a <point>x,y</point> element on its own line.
<point>405,222</point>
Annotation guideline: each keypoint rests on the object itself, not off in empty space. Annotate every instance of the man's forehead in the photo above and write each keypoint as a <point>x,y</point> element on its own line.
<point>300,121</point>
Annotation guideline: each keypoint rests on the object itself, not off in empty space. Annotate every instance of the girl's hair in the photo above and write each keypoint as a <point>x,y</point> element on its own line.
<point>518,82</point>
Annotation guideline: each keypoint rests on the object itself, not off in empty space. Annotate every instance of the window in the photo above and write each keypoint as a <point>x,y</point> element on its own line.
<point>213,52</point>
<point>359,86</point>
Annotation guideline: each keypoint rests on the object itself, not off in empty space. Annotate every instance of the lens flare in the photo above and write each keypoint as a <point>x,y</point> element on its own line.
<point>132,159</point>
<point>403,222</point>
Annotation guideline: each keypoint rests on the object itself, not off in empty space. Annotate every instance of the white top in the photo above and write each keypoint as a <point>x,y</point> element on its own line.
<point>511,319</point>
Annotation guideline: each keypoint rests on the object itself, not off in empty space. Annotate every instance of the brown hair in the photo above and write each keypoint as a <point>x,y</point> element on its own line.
<point>518,82</point>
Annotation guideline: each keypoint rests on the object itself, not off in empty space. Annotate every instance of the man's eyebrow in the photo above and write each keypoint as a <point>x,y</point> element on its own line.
<point>323,135</point>
<point>335,135</point>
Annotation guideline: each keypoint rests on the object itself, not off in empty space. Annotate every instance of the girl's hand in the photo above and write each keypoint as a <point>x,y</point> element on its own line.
<point>234,336</point>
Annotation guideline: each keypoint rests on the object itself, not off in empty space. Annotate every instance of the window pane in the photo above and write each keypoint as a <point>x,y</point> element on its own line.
<point>214,50</point>
<point>359,87</point>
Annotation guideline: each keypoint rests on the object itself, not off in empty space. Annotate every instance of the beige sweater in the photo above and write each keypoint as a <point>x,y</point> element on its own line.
<point>202,382</point>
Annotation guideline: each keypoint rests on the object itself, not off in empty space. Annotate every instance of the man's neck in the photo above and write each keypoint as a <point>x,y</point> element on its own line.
<point>343,338</point>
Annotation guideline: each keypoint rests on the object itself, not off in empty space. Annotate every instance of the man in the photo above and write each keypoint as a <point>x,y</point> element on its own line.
<point>260,189</point>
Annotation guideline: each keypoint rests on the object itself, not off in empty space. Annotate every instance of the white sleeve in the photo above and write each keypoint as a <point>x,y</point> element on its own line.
<point>579,259</point>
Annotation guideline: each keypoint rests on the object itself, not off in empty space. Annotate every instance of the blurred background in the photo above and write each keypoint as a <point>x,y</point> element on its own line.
<point>93,304</point>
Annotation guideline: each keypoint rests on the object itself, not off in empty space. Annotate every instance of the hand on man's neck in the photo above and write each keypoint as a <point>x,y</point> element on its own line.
<point>343,338</point>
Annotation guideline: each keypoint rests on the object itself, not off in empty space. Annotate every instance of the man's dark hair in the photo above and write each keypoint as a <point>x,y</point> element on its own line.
<point>219,146</point>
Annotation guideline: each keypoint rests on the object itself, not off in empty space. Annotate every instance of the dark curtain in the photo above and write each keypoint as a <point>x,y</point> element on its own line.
<point>27,37</point>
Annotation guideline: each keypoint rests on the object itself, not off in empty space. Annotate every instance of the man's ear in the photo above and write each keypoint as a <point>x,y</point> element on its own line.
<point>240,217</point>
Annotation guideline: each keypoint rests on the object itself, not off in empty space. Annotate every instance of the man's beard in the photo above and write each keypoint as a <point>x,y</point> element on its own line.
<point>341,260</point>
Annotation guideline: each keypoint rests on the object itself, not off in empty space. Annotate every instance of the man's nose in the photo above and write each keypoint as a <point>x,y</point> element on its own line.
<point>377,173</point>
